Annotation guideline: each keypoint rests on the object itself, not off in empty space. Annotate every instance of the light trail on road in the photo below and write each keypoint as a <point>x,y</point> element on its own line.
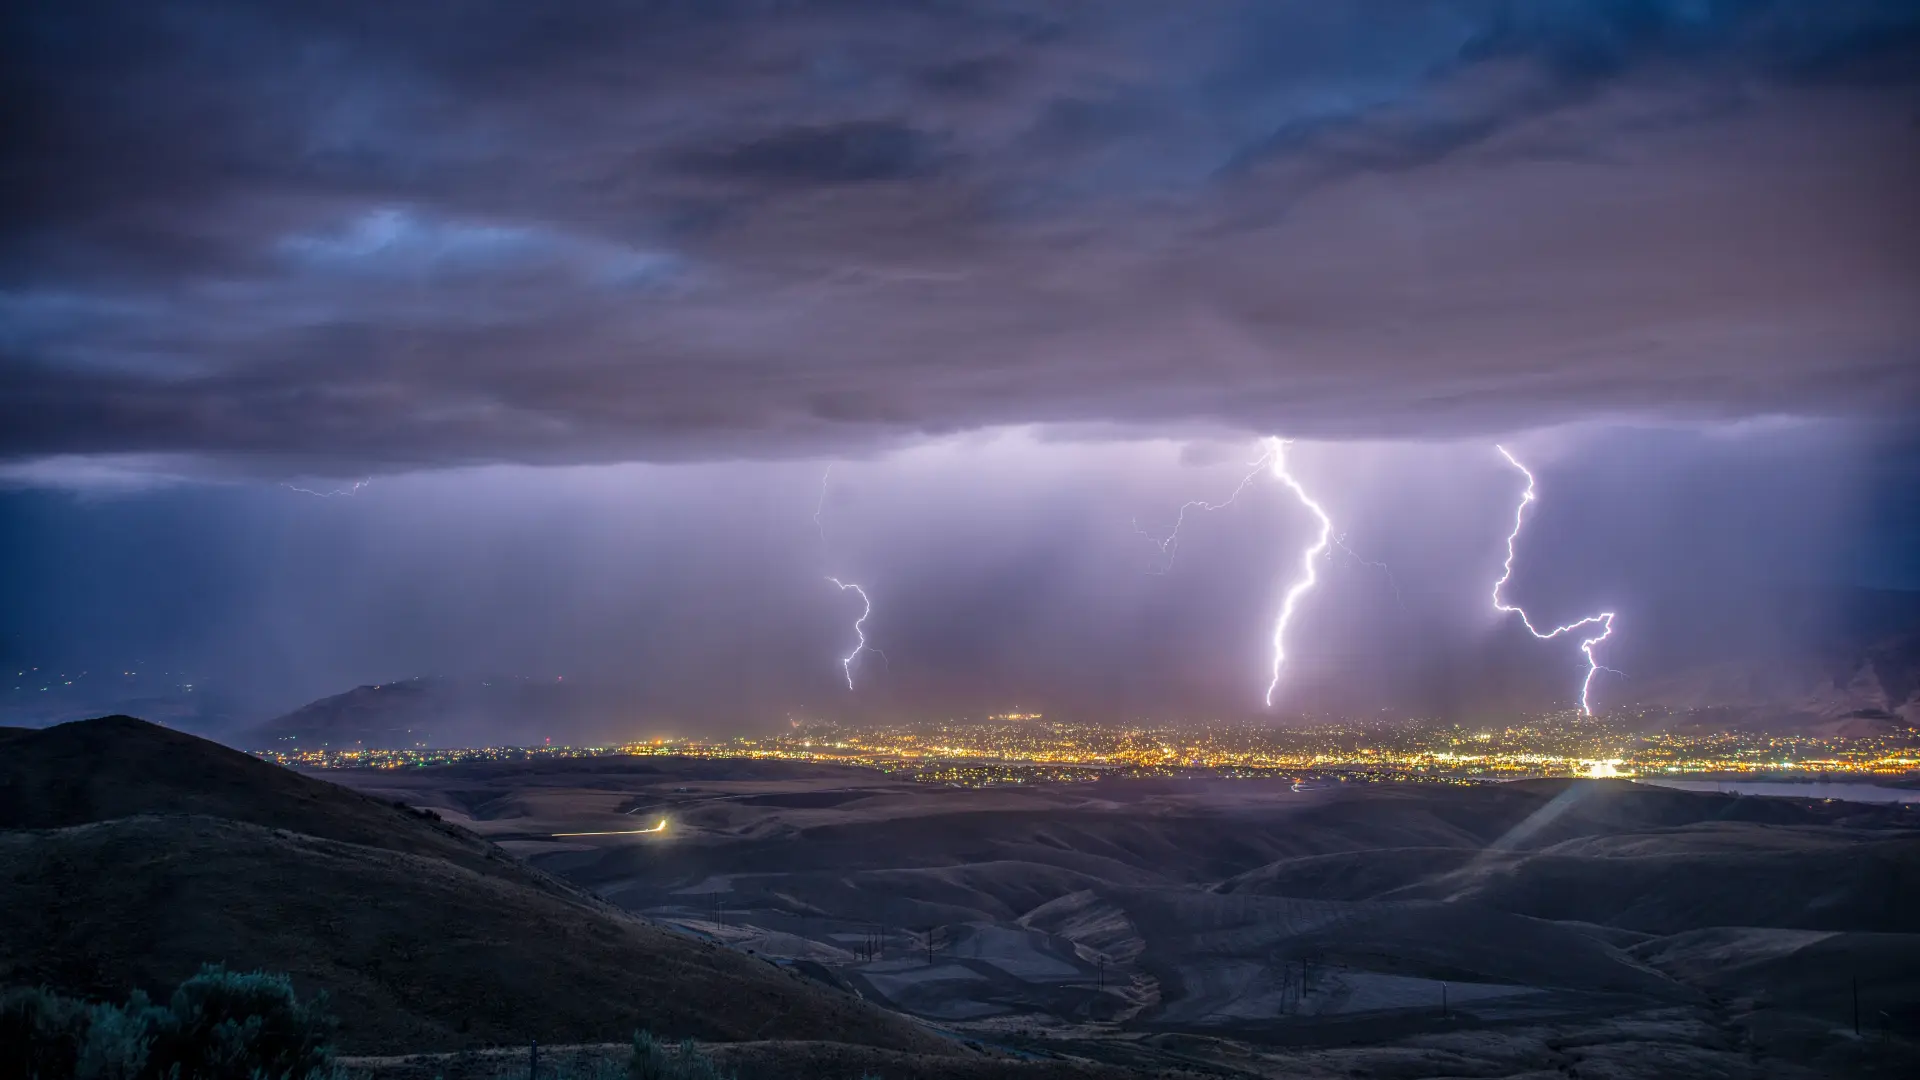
<point>662,827</point>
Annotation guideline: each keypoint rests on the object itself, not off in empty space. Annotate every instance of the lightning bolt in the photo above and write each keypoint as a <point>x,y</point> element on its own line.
<point>1341,543</point>
<point>1170,544</point>
<point>357,485</point>
<point>820,507</point>
<point>859,628</point>
<point>1277,457</point>
<point>1604,619</point>
<point>859,624</point>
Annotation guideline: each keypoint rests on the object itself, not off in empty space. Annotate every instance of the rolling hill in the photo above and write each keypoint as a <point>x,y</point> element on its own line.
<point>132,854</point>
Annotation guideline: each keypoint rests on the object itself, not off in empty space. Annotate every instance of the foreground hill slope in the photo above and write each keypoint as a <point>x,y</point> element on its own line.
<point>118,766</point>
<point>134,854</point>
<point>414,952</point>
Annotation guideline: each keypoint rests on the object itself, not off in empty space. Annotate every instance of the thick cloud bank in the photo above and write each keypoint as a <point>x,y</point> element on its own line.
<point>333,236</point>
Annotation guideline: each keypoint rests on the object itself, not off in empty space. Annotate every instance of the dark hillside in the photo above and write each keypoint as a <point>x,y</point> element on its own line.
<point>415,953</point>
<point>130,854</point>
<point>118,766</point>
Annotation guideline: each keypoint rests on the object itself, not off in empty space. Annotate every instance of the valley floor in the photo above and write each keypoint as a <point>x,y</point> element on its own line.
<point>1240,927</point>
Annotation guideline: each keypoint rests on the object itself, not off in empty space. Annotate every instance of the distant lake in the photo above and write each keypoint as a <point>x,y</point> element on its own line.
<point>1866,793</point>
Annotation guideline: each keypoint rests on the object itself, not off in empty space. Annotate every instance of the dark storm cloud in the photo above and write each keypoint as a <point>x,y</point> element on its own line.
<point>839,154</point>
<point>368,235</point>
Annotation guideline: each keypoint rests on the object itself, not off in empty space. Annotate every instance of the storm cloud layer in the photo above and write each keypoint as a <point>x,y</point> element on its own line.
<point>343,236</point>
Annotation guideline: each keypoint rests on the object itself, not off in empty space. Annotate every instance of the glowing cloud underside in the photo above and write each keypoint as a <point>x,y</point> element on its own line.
<point>1277,456</point>
<point>1604,619</point>
<point>859,628</point>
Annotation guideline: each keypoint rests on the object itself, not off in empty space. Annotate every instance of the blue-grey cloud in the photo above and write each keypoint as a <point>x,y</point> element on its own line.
<point>847,153</point>
<point>354,235</point>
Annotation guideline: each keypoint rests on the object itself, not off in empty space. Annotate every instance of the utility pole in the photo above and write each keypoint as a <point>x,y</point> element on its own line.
<point>1101,971</point>
<point>1443,1001</point>
<point>533,1060</point>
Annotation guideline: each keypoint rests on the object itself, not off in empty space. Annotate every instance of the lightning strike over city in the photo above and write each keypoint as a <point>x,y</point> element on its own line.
<point>859,624</point>
<point>615,299</point>
<point>1603,619</point>
<point>1309,574</point>
<point>1170,544</point>
<point>1386,571</point>
<point>859,629</point>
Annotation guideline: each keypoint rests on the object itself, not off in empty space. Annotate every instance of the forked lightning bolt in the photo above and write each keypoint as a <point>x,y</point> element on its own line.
<point>1387,571</point>
<point>1170,544</point>
<point>859,628</point>
<point>1277,455</point>
<point>859,624</point>
<point>357,485</point>
<point>1604,619</point>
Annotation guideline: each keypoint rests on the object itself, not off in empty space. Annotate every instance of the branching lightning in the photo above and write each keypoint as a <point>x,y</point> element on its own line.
<point>1604,619</point>
<point>354,490</point>
<point>1170,544</point>
<point>859,624</point>
<point>1341,543</point>
<point>1277,457</point>
<point>1274,458</point>
<point>859,628</point>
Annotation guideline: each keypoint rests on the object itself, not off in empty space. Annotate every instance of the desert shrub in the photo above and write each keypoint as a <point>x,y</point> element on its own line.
<point>40,1034</point>
<point>119,1040</point>
<point>653,1060</point>
<point>219,1025</point>
<point>229,1025</point>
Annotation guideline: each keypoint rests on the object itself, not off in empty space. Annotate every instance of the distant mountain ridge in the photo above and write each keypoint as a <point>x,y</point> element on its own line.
<point>438,712</point>
<point>384,715</point>
<point>1859,692</point>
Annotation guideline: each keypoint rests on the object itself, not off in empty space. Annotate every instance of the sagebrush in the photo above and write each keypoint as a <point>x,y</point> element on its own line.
<point>218,1025</point>
<point>655,1060</point>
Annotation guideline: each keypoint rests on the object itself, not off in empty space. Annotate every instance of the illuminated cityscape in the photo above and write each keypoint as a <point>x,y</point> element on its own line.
<point>1027,748</point>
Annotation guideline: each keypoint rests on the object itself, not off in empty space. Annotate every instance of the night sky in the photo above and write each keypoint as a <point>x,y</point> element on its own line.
<point>590,295</point>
